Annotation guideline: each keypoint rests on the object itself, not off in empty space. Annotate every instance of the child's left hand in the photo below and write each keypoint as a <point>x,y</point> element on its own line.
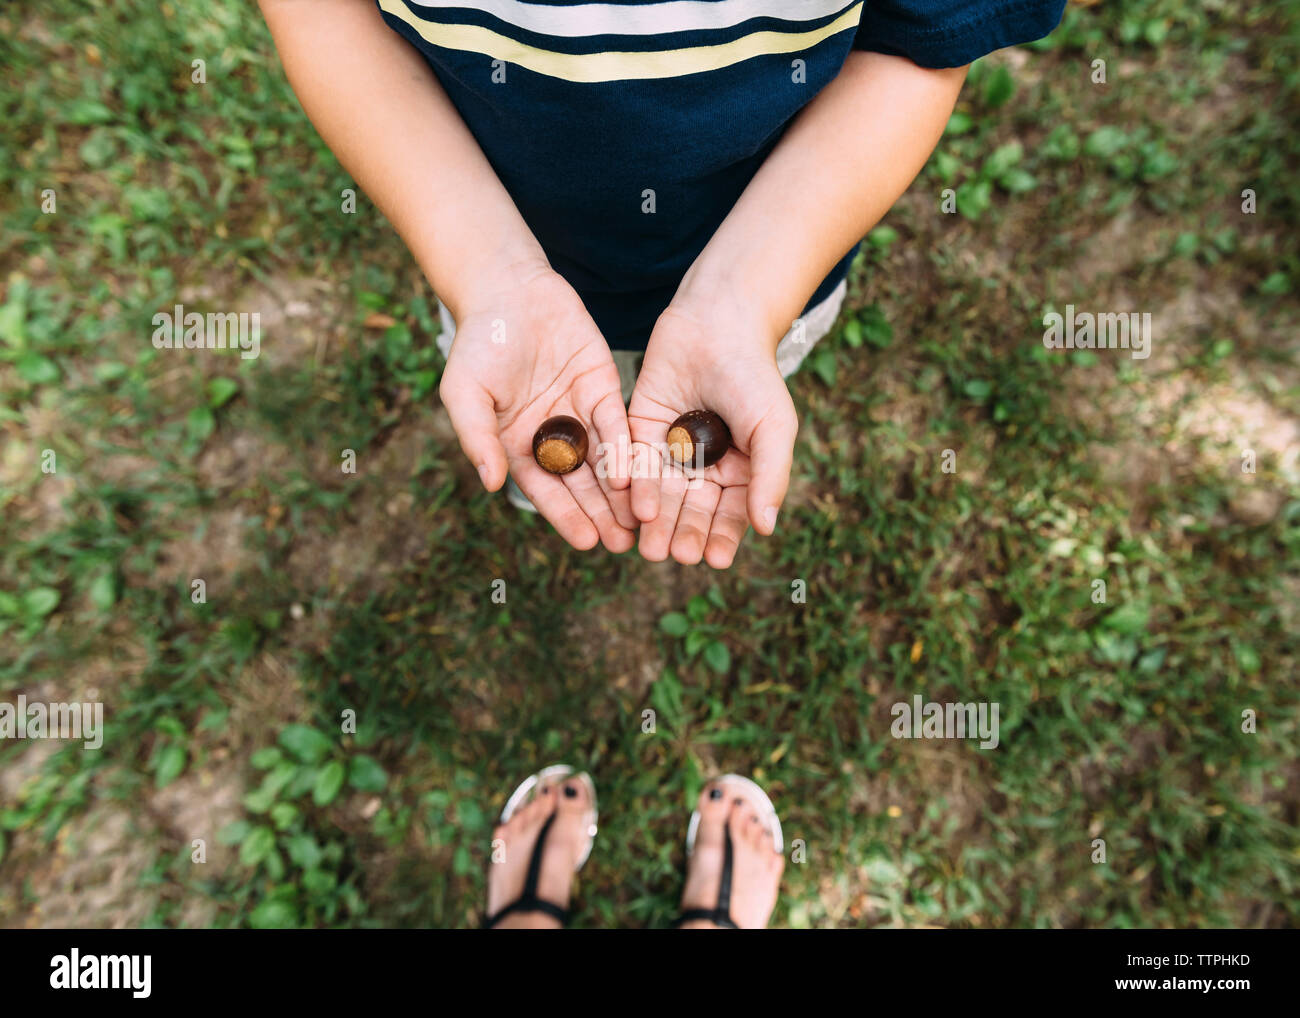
<point>711,356</point>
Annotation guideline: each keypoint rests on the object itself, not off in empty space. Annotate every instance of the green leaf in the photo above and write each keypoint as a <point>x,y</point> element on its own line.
<point>87,112</point>
<point>675,624</point>
<point>882,236</point>
<point>1000,87</point>
<point>1003,158</point>
<point>974,198</point>
<point>328,783</point>
<point>853,333</point>
<point>273,915</point>
<point>40,601</point>
<point>221,391</point>
<point>1018,181</point>
<point>978,389</point>
<point>1186,245</point>
<point>319,882</point>
<point>283,814</point>
<point>946,166</point>
<point>258,844</point>
<point>13,322</point>
<point>304,851</point>
<point>200,423</point>
<point>365,775</point>
<point>267,756</point>
<point>170,762</point>
<point>959,123</point>
<point>1128,619</point>
<point>233,833</point>
<point>1150,662</point>
<point>1105,142</point>
<point>305,743</point>
<point>37,370</point>
<point>1154,31</point>
<point>697,608</point>
<point>103,591</point>
<point>823,364</point>
<point>1247,657</point>
<point>718,657</point>
<point>879,332</point>
<point>1061,144</point>
<point>666,695</point>
<point>259,800</point>
<point>1275,283</point>
<point>110,371</point>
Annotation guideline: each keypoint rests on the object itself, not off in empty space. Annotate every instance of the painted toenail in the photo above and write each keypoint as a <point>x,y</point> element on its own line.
<point>715,794</point>
<point>546,790</point>
<point>570,792</point>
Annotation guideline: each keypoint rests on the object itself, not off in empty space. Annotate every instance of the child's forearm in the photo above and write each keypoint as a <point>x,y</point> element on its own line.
<point>843,162</point>
<point>380,109</point>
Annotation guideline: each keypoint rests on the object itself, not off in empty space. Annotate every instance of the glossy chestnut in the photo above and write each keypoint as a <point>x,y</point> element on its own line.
<point>560,445</point>
<point>698,438</point>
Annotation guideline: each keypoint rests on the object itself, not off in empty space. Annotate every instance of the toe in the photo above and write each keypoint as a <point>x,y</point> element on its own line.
<point>738,820</point>
<point>573,796</point>
<point>712,804</point>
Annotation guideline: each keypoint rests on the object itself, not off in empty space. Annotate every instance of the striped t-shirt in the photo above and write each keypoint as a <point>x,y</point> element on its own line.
<point>625,132</point>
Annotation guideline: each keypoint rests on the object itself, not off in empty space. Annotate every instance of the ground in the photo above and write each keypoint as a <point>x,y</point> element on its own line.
<point>1157,726</point>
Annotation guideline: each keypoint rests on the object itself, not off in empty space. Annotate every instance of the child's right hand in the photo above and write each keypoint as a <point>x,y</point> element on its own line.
<point>526,353</point>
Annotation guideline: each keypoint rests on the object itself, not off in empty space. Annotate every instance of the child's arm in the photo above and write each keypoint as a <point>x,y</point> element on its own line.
<point>525,346</point>
<point>380,109</point>
<point>843,162</point>
<point>846,158</point>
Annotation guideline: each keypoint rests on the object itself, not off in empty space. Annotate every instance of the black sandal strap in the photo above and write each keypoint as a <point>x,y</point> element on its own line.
<point>528,901</point>
<point>720,914</point>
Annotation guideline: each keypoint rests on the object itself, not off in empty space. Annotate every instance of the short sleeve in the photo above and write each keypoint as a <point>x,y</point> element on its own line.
<point>950,33</point>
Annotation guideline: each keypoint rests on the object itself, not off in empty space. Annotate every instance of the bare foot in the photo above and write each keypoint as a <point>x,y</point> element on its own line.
<point>756,865</point>
<point>512,844</point>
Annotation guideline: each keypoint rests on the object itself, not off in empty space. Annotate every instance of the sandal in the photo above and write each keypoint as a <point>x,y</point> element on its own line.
<point>720,914</point>
<point>528,900</point>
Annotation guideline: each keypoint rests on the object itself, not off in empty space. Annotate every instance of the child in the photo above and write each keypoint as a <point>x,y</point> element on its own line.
<point>682,177</point>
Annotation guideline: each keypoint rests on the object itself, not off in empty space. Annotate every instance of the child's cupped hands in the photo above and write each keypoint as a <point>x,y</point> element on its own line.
<point>520,356</point>
<point>710,356</point>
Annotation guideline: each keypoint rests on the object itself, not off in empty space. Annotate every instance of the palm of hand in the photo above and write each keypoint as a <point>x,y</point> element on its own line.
<point>705,515</point>
<point>535,354</point>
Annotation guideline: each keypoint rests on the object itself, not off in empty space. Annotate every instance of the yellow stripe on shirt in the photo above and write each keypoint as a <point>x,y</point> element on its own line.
<point>618,65</point>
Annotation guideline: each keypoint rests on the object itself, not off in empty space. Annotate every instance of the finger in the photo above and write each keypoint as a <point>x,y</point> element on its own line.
<point>695,520</point>
<point>647,473</point>
<point>553,500</point>
<point>473,416</point>
<point>771,453</point>
<point>589,495</point>
<point>729,526</point>
<point>657,535</point>
<point>609,418</point>
<point>621,503</point>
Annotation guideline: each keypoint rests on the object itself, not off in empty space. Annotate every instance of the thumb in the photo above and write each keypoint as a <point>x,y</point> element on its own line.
<point>473,414</point>
<point>771,454</point>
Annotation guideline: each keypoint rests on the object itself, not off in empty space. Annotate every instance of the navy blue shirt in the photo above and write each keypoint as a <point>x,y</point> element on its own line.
<point>625,132</point>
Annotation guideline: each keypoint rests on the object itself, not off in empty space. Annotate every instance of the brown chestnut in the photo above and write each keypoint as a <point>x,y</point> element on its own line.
<point>560,445</point>
<point>698,438</point>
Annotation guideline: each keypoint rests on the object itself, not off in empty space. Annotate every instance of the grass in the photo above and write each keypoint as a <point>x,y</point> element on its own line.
<point>334,598</point>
